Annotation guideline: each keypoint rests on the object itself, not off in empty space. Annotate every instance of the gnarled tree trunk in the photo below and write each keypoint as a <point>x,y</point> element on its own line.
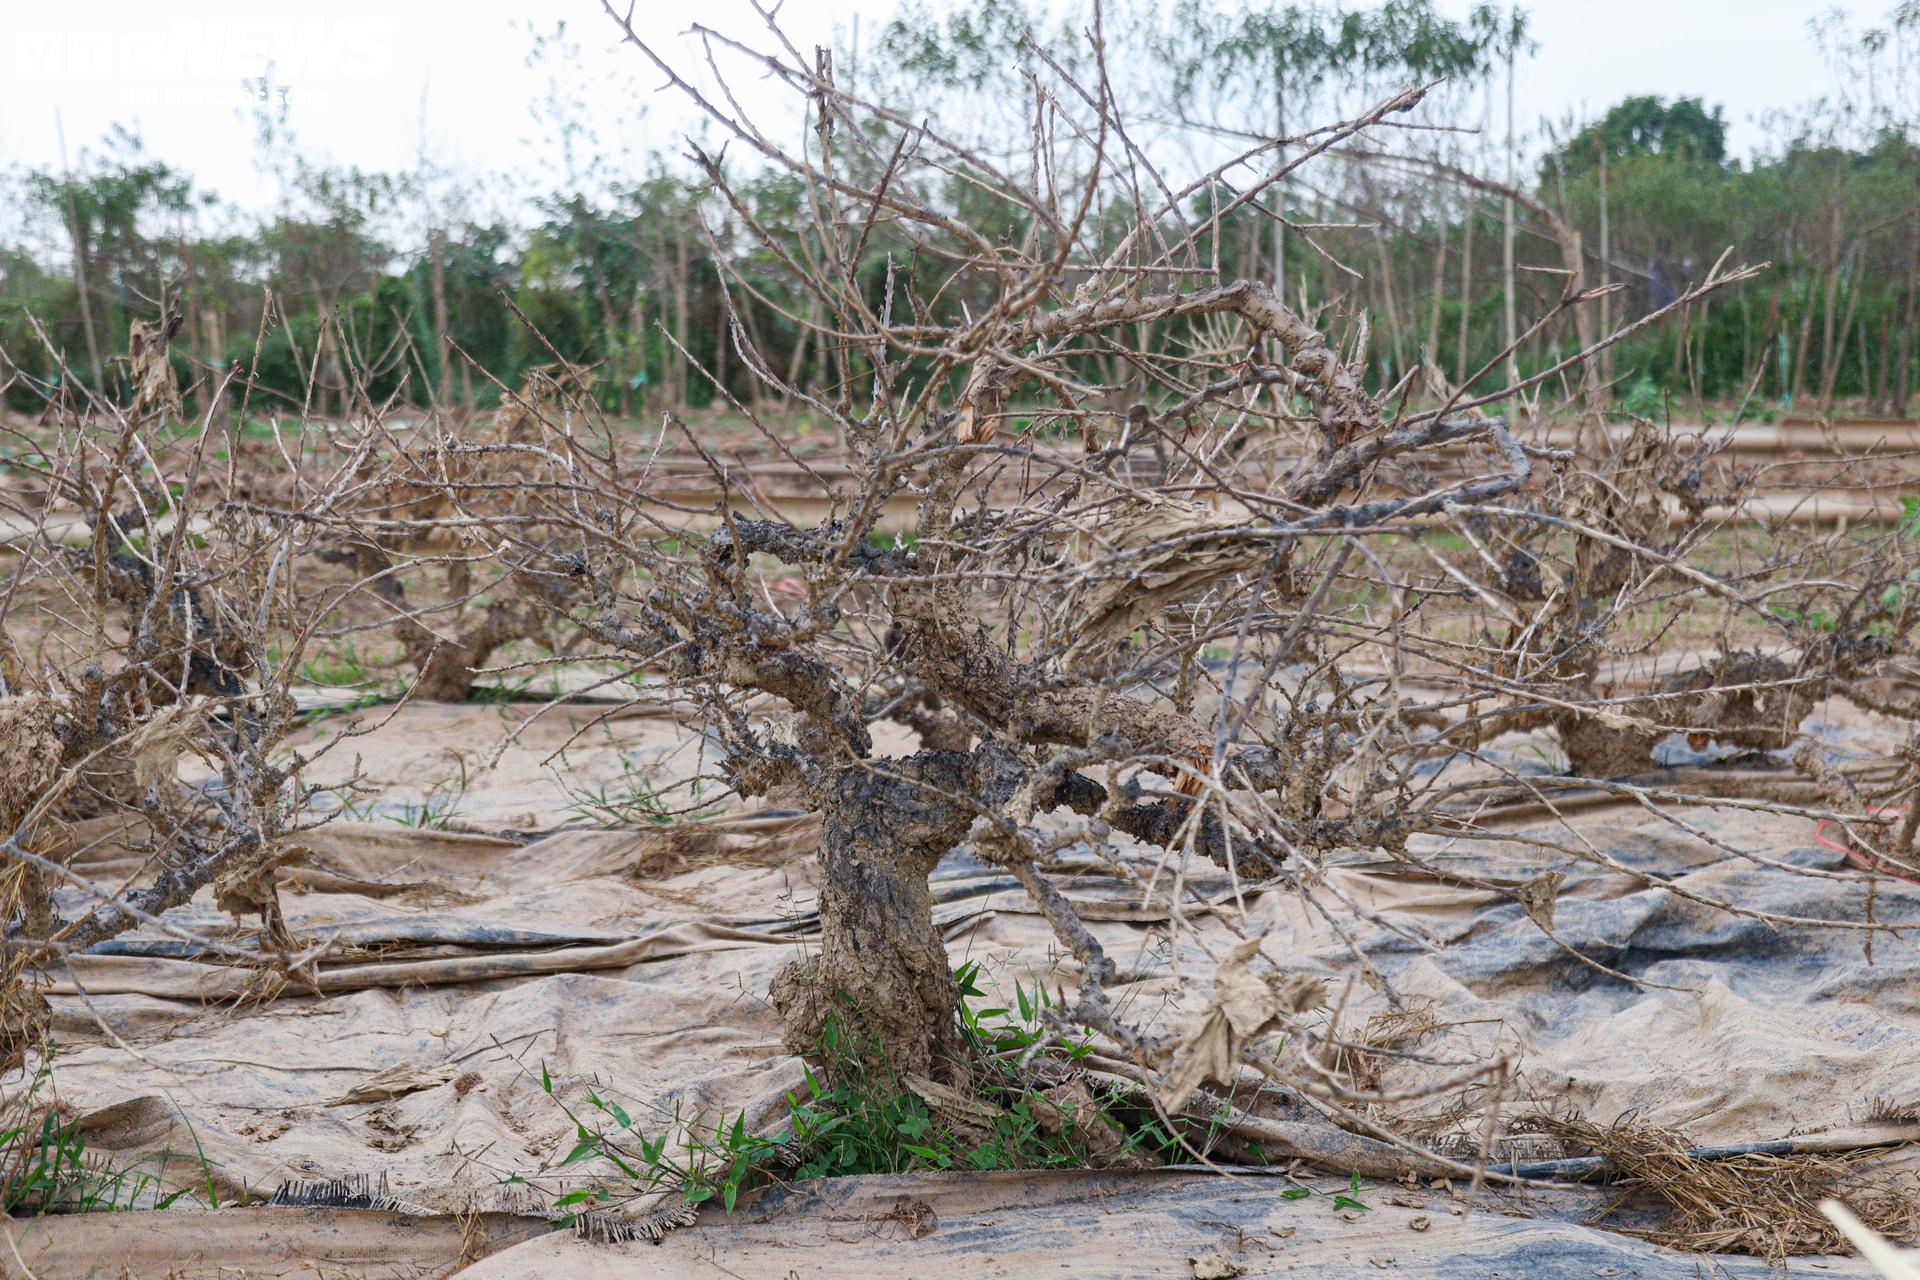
<point>881,991</point>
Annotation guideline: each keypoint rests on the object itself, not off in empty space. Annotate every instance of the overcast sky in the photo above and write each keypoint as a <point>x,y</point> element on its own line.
<point>370,81</point>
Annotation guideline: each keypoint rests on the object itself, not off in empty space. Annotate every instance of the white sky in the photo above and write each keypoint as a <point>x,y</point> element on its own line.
<point>369,76</point>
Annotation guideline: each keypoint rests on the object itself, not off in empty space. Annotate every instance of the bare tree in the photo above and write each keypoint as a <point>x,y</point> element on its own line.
<point>153,627</point>
<point>1147,609</point>
<point>1170,591</point>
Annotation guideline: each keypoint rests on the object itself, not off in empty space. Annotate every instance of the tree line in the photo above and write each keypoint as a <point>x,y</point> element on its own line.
<point>360,285</point>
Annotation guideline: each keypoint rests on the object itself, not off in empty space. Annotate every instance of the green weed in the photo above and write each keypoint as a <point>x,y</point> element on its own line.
<point>1813,619</point>
<point>510,691</point>
<point>1643,399</point>
<point>336,667</point>
<point>701,1168</point>
<point>846,1121</point>
<point>45,1165</point>
<point>435,811</point>
<point>1348,1199</point>
<point>628,799</point>
<point>360,703</point>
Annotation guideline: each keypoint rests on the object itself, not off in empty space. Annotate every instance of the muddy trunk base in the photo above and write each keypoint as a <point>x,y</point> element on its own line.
<point>880,998</point>
<point>852,1037</point>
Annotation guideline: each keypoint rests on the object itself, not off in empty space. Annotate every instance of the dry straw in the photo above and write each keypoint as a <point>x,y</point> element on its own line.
<point>1768,1205</point>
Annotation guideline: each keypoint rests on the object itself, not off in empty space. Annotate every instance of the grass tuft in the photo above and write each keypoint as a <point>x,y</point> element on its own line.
<point>853,1119</point>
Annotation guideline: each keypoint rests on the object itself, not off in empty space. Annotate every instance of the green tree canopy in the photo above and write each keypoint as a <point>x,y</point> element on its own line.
<point>1683,130</point>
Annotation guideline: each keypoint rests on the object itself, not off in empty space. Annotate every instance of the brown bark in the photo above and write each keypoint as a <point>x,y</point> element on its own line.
<point>880,997</point>
<point>1836,345</point>
<point>637,327</point>
<point>1798,385</point>
<point>797,363</point>
<point>1834,267</point>
<point>936,723</point>
<point>216,331</point>
<point>1466,299</point>
<point>1604,376</point>
<point>79,239</point>
<point>881,992</point>
<point>446,666</point>
<point>1432,352</point>
<point>442,339</point>
<point>676,360</point>
<point>1392,311</point>
<point>1903,353</point>
<point>196,349</point>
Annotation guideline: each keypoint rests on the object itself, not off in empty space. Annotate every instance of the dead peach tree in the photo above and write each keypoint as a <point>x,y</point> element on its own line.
<point>1143,564</point>
<point>391,518</point>
<point>1077,546</point>
<point>152,627</point>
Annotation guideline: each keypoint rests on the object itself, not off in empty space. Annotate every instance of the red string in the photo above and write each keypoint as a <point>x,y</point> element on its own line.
<point>1862,860</point>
